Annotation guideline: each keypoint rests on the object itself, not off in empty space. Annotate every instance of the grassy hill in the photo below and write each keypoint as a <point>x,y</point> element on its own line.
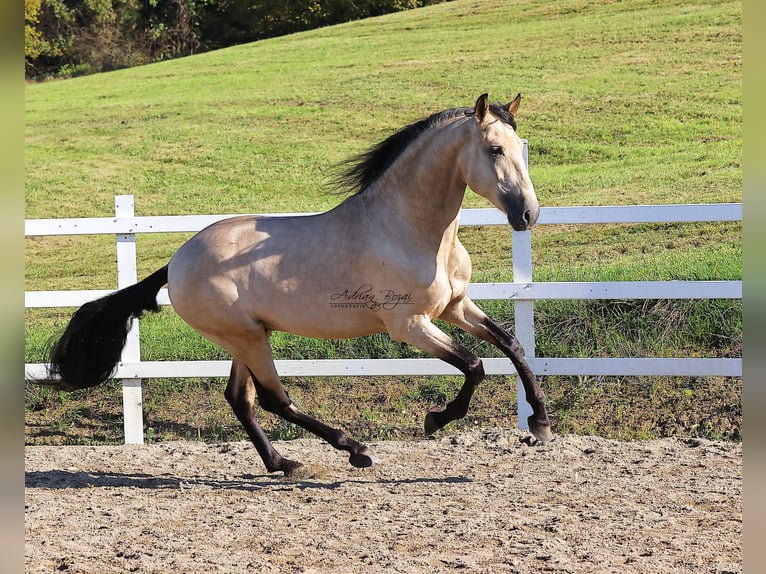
<point>622,102</point>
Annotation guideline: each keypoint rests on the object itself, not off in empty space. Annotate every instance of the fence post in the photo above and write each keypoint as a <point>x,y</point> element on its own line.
<point>523,311</point>
<point>132,402</point>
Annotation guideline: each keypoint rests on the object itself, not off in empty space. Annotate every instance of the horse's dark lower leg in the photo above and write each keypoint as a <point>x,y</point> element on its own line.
<point>457,408</point>
<point>428,337</point>
<point>253,353</point>
<point>466,315</point>
<point>280,404</point>
<point>240,393</point>
<point>360,455</point>
<point>539,424</point>
<point>274,461</point>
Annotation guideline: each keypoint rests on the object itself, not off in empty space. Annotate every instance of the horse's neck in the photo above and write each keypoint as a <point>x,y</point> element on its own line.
<point>423,189</point>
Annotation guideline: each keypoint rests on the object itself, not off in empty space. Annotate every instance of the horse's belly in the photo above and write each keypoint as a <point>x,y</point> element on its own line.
<point>323,324</point>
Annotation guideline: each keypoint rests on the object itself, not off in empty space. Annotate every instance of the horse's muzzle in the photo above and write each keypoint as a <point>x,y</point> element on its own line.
<point>521,209</point>
<point>525,219</point>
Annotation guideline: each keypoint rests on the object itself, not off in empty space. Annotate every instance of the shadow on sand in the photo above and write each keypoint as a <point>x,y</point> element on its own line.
<point>61,479</point>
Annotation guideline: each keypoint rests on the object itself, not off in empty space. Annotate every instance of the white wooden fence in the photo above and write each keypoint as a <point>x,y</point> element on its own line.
<point>523,291</point>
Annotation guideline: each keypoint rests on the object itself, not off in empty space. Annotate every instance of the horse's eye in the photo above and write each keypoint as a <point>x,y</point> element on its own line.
<point>496,150</point>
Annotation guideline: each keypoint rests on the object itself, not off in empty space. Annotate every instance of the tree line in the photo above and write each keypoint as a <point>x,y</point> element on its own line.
<point>65,38</point>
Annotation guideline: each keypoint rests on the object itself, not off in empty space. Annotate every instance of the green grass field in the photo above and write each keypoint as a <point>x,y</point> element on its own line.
<point>628,102</point>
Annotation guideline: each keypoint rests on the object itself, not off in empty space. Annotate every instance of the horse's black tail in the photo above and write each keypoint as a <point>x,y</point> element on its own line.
<point>88,351</point>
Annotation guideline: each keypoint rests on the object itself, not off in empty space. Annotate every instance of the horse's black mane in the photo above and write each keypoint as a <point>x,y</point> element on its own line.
<point>363,170</point>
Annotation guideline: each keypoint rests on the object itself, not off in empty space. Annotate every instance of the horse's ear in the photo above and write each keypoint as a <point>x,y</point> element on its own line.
<point>481,108</point>
<point>512,107</point>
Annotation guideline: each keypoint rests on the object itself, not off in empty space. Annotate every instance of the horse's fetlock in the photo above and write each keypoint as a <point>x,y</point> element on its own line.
<point>342,441</point>
<point>455,410</point>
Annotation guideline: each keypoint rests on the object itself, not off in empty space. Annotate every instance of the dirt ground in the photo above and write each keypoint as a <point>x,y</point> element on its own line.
<point>474,501</point>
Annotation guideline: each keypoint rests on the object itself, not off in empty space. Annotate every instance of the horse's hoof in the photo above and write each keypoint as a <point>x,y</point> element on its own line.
<point>291,469</point>
<point>431,424</point>
<point>541,431</point>
<point>296,471</point>
<point>364,459</point>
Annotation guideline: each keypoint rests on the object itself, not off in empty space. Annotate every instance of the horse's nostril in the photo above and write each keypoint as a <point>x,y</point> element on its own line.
<point>527,216</point>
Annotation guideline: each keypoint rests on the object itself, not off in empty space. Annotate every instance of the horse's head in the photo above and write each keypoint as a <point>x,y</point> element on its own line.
<point>493,164</point>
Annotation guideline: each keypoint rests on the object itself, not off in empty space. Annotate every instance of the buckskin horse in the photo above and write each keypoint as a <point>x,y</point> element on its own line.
<point>386,259</point>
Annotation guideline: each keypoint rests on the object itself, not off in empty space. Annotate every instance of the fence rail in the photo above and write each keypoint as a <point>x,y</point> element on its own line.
<point>523,291</point>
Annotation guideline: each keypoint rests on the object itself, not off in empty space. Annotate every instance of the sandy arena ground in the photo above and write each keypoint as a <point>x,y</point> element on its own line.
<point>474,502</point>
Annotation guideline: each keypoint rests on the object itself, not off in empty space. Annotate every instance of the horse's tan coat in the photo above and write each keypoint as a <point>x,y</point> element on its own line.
<point>387,259</point>
<point>243,277</point>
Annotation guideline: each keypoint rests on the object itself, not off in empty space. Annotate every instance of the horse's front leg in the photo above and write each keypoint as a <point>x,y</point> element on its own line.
<point>465,314</point>
<point>427,337</point>
<point>240,393</point>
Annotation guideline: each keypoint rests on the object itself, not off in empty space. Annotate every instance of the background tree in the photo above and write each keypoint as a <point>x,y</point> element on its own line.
<point>72,37</point>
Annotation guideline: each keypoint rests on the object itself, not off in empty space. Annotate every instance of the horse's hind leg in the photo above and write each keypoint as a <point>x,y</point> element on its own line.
<point>359,455</point>
<point>273,398</point>
<point>240,393</point>
<point>466,315</point>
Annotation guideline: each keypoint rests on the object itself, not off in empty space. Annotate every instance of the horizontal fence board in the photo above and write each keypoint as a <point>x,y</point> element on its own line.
<point>673,367</point>
<point>608,290</point>
<point>37,299</point>
<point>46,299</point>
<point>613,214</point>
<point>126,225</point>
<point>641,213</point>
<point>681,367</point>
<point>468,217</point>
<point>488,291</point>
